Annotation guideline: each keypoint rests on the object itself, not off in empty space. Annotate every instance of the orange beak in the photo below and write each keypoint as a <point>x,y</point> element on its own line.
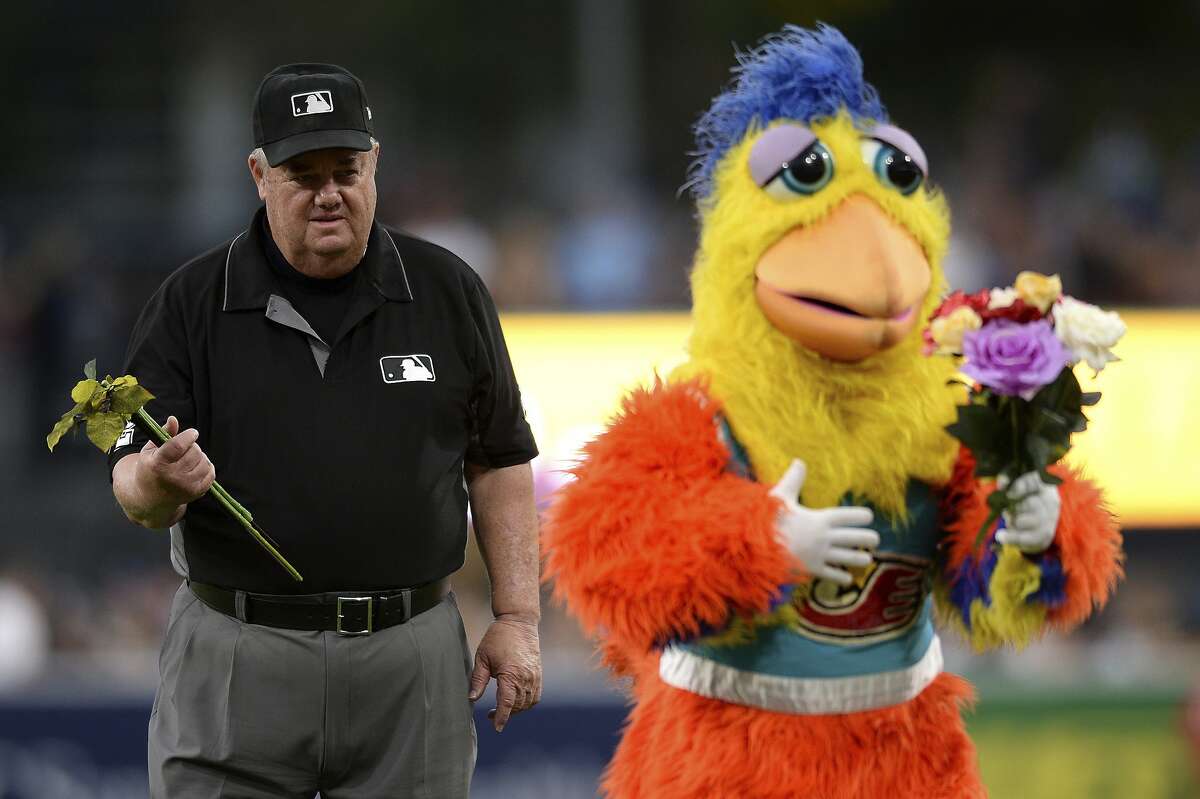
<point>846,287</point>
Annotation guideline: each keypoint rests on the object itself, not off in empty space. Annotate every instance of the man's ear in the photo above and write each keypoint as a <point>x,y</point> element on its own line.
<point>259,177</point>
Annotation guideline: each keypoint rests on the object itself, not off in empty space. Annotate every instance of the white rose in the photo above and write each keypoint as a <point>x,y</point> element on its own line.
<point>1087,331</point>
<point>1002,298</point>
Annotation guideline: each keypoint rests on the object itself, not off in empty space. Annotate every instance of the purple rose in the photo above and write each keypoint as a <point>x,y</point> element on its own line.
<point>1012,358</point>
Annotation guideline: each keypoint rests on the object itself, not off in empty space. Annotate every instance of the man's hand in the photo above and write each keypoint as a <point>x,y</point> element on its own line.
<point>506,527</point>
<point>178,472</point>
<point>155,486</point>
<point>822,539</point>
<point>1031,527</point>
<point>509,653</point>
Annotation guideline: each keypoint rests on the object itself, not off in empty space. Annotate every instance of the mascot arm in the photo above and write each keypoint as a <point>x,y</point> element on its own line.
<point>654,540</point>
<point>1001,595</point>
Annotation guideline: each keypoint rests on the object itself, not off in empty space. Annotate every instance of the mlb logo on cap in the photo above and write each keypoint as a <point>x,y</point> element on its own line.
<point>295,112</point>
<point>318,102</point>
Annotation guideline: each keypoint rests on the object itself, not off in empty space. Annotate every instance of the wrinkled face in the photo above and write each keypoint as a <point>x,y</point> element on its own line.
<point>321,203</point>
<point>841,270</point>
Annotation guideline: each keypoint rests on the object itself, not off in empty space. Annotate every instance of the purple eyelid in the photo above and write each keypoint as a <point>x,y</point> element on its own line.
<point>775,148</point>
<point>902,140</point>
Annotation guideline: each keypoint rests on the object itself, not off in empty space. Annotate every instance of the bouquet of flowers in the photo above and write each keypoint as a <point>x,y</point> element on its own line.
<point>104,407</point>
<point>1019,345</point>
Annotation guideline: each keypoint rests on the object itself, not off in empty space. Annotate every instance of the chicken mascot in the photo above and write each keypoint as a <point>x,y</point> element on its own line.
<point>762,542</point>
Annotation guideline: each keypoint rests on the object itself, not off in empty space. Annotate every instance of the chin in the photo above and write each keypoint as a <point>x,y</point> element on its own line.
<point>331,245</point>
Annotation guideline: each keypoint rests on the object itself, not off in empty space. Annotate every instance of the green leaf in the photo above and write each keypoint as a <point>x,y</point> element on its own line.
<point>1051,394</point>
<point>1050,479</point>
<point>1038,450</point>
<point>978,427</point>
<point>989,464</point>
<point>128,396</point>
<point>1051,419</point>
<point>105,428</point>
<point>1090,398</point>
<point>62,427</point>
<point>89,369</point>
<point>1068,400</point>
<point>84,390</point>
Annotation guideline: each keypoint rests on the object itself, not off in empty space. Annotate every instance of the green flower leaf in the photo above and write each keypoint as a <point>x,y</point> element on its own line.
<point>105,428</point>
<point>84,390</point>
<point>1039,451</point>
<point>979,428</point>
<point>1050,479</point>
<point>63,426</point>
<point>89,369</point>
<point>128,396</point>
<point>1089,398</point>
<point>989,464</point>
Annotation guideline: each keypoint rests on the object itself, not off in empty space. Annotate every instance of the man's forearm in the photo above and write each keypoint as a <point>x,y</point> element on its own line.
<point>140,504</point>
<point>506,528</point>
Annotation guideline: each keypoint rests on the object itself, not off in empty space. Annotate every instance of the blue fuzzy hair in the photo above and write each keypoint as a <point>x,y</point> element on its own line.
<point>795,74</point>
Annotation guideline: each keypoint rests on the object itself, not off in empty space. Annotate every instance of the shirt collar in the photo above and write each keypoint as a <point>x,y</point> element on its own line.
<point>250,282</point>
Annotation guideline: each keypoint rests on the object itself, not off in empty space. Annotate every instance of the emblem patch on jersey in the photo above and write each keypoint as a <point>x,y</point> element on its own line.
<point>883,602</point>
<point>126,436</point>
<point>318,102</point>
<point>417,368</point>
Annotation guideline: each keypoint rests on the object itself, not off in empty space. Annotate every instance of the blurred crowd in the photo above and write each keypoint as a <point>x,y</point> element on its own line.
<point>1112,207</point>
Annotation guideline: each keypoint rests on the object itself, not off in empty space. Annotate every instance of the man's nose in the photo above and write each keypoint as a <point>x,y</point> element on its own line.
<point>328,195</point>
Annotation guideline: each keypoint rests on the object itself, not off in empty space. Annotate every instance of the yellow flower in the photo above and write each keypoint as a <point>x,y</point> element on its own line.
<point>948,331</point>
<point>1038,290</point>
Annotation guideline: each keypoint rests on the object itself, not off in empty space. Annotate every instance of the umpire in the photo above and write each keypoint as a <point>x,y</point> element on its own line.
<point>351,386</point>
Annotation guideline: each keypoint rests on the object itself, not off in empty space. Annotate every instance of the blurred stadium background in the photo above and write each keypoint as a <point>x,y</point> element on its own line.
<point>545,142</point>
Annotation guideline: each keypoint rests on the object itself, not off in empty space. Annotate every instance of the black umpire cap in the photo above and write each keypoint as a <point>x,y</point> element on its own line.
<point>303,107</point>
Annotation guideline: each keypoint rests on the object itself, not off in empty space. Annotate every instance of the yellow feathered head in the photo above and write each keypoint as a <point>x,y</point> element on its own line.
<point>820,260</point>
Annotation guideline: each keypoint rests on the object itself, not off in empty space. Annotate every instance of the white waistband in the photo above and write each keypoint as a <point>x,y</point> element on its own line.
<point>807,695</point>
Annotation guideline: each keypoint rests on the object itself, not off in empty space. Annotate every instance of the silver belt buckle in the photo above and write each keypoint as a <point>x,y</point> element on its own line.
<point>370,602</point>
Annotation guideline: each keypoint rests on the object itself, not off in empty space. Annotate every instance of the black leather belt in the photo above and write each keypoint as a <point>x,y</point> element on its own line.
<point>353,613</point>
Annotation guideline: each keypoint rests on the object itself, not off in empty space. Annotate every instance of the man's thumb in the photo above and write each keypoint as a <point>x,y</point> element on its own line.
<point>172,426</point>
<point>479,679</point>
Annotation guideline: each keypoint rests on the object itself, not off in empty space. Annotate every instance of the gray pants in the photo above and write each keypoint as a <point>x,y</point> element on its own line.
<point>248,711</point>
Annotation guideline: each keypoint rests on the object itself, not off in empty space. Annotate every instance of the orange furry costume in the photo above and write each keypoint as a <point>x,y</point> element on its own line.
<point>666,544</point>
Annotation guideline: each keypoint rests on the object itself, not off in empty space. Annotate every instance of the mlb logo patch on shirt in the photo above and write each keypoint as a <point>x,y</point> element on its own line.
<point>416,368</point>
<point>318,102</point>
<point>126,436</point>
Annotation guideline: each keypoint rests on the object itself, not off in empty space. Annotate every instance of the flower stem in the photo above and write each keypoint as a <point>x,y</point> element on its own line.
<point>986,528</point>
<point>1016,433</point>
<point>235,508</point>
<point>222,497</point>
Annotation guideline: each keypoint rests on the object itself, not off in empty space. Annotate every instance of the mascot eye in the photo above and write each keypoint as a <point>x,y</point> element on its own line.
<point>895,168</point>
<point>807,173</point>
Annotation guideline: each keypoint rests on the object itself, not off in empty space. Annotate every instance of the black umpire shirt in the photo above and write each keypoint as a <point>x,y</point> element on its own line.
<point>348,449</point>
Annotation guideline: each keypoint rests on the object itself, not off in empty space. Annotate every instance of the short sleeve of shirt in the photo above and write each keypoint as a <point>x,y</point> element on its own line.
<point>501,435</point>
<point>159,358</point>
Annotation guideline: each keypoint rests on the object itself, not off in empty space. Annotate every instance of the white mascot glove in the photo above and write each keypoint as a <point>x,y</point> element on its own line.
<point>822,539</point>
<point>1031,527</point>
